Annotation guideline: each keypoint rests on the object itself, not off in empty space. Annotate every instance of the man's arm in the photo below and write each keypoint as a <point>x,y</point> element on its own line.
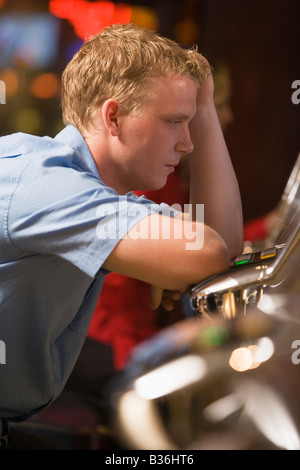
<point>168,262</point>
<point>212,178</point>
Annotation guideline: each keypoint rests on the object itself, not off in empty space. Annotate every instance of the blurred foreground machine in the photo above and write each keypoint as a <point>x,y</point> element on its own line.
<point>227,376</point>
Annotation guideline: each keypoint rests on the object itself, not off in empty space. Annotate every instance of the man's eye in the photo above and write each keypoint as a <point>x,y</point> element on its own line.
<point>175,121</point>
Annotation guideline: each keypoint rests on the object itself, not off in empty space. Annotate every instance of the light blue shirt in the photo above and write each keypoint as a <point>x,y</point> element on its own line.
<point>58,224</point>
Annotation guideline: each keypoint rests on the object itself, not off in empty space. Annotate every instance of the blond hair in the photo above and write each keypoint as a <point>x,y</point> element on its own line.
<point>119,63</point>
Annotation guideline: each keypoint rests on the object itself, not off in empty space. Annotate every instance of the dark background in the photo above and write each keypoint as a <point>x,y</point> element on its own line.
<point>259,40</point>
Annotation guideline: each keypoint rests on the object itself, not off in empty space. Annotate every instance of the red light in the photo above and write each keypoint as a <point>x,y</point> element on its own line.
<point>89,18</point>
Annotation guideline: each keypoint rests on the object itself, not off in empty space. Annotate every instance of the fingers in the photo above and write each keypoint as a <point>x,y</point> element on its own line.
<point>164,298</point>
<point>156,294</point>
<point>167,302</point>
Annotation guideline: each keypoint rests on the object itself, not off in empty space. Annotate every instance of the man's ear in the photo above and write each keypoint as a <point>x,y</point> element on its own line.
<point>110,115</point>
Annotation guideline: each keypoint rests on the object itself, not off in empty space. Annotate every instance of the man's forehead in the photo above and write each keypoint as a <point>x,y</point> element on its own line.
<point>173,80</point>
<point>176,87</point>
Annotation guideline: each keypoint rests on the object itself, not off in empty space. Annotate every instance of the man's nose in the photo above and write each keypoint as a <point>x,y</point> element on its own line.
<point>185,144</point>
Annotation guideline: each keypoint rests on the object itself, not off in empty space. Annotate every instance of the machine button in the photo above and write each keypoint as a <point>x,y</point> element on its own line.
<point>243,259</point>
<point>270,253</point>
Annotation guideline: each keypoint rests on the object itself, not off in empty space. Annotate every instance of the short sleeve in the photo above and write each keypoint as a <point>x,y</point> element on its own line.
<point>65,211</point>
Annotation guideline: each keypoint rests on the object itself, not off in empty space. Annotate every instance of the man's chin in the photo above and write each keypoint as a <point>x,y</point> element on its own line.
<point>160,185</point>
<point>154,185</point>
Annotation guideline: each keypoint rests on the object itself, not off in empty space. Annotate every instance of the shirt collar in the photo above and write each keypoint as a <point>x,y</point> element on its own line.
<point>70,135</point>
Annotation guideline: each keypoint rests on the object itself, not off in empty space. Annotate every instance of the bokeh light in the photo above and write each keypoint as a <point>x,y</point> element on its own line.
<point>45,86</point>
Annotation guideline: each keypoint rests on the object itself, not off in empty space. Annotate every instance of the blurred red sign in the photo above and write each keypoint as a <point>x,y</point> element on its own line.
<point>89,18</point>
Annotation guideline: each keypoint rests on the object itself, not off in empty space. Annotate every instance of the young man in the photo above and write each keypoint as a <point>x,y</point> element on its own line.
<point>133,104</point>
<point>123,316</point>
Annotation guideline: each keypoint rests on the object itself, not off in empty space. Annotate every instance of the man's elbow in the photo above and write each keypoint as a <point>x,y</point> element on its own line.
<point>218,256</point>
<point>211,259</point>
<point>236,245</point>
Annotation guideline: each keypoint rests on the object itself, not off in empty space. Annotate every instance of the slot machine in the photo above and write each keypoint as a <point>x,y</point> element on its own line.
<point>272,270</point>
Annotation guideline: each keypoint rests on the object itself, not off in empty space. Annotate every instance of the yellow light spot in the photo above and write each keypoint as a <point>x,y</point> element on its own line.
<point>45,86</point>
<point>11,80</point>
